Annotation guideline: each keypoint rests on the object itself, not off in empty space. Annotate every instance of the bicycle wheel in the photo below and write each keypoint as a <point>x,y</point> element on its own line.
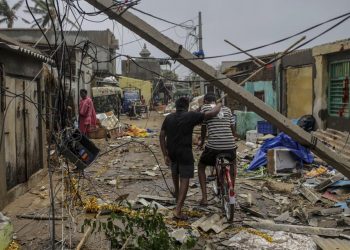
<point>228,207</point>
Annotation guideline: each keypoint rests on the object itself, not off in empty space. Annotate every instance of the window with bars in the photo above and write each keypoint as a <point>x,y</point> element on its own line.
<point>338,91</point>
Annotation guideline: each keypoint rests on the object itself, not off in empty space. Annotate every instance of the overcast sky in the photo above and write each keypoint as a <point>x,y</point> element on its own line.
<point>247,23</point>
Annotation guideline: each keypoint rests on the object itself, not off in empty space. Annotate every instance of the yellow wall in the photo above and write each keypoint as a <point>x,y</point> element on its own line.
<point>144,86</point>
<point>299,91</point>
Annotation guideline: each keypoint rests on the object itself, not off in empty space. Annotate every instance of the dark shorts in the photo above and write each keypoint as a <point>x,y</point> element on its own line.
<point>208,157</point>
<point>184,171</point>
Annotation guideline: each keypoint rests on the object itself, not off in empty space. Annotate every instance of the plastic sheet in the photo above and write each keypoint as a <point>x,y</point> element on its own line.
<point>281,141</point>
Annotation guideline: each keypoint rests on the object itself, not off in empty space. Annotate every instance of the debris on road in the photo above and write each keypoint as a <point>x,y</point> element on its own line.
<point>270,225</point>
<point>214,222</point>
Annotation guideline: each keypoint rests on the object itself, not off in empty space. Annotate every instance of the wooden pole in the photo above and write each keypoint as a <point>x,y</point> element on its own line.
<point>255,59</point>
<point>86,234</point>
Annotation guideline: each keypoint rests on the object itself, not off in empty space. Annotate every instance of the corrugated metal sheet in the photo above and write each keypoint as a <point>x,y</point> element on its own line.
<point>11,44</point>
<point>214,222</point>
<point>331,243</point>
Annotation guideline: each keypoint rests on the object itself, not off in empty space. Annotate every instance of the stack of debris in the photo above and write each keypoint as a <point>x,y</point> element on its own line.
<point>336,140</point>
<point>109,124</point>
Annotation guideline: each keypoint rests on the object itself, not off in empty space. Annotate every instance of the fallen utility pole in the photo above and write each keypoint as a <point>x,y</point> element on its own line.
<point>207,72</point>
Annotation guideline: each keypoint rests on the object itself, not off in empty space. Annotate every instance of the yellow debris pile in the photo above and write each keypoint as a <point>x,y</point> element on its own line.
<point>177,223</point>
<point>316,172</point>
<point>255,232</point>
<point>13,246</point>
<point>91,206</point>
<point>136,132</point>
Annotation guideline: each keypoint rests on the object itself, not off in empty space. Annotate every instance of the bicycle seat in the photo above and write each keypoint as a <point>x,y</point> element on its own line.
<point>224,156</point>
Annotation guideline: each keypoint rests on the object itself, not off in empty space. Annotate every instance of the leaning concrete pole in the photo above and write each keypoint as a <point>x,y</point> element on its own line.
<point>207,72</point>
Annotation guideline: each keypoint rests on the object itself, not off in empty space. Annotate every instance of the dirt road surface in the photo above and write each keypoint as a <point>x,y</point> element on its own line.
<point>127,171</point>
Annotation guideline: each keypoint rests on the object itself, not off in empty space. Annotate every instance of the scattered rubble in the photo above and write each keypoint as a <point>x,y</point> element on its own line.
<point>214,222</point>
<point>285,206</point>
<point>249,239</point>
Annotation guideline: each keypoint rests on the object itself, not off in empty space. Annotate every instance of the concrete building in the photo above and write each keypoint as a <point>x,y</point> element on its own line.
<point>295,78</point>
<point>331,107</point>
<point>84,65</point>
<point>102,45</point>
<point>106,46</point>
<point>22,130</point>
<point>144,68</point>
<point>312,81</point>
<point>263,86</point>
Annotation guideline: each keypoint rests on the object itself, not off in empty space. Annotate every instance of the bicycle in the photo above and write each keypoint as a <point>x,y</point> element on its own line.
<point>224,184</point>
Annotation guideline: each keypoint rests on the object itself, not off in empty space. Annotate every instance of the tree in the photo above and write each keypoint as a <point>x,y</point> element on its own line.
<point>46,10</point>
<point>8,14</point>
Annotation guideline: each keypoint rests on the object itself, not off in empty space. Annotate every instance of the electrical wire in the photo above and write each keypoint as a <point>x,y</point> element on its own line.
<point>260,46</point>
<point>162,19</point>
<point>162,31</point>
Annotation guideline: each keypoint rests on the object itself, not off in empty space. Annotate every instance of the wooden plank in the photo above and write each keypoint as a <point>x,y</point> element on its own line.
<point>329,181</point>
<point>235,91</point>
<point>309,194</point>
<point>21,169</point>
<point>156,198</point>
<point>332,232</point>
<point>39,217</point>
<point>10,135</point>
<point>331,211</point>
<point>32,133</point>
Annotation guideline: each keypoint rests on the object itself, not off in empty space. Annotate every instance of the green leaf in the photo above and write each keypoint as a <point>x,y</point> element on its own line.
<point>113,216</point>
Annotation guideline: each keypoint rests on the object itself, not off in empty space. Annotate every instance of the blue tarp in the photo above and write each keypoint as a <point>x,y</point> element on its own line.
<point>281,141</point>
<point>341,183</point>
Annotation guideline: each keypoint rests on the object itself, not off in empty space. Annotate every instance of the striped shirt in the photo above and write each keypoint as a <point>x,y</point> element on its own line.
<point>219,129</point>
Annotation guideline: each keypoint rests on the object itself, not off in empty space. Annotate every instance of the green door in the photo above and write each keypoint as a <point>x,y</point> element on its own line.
<point>338,92</point>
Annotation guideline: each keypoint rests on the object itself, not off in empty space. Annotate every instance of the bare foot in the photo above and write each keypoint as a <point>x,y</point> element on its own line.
<point>180,217</point>
<point>203,203</point>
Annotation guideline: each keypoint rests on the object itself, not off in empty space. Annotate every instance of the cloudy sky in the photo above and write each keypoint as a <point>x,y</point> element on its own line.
<point>247,23</point>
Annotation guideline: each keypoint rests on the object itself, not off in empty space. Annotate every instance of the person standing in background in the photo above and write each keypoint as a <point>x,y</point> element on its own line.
<point>87,114</point>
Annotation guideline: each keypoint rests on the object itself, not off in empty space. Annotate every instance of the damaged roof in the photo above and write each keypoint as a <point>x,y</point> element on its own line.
<point>12,44</point>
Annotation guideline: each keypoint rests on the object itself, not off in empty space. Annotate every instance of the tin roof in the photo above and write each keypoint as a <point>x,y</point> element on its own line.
<point>11,44</point>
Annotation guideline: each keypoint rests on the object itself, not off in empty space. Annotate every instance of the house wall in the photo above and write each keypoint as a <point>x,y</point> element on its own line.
<point>3,187</point>
<point>290,64</point>
<point>106,39</point>
<point>21,158</point>
<point>106,49</point>
<point>143,70</point>
<point>144,86</point>
<point>321,82</point>
<point>299,87</point>
<point>267,88</point>
<point>247,120</point>
<point>84,81</point>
